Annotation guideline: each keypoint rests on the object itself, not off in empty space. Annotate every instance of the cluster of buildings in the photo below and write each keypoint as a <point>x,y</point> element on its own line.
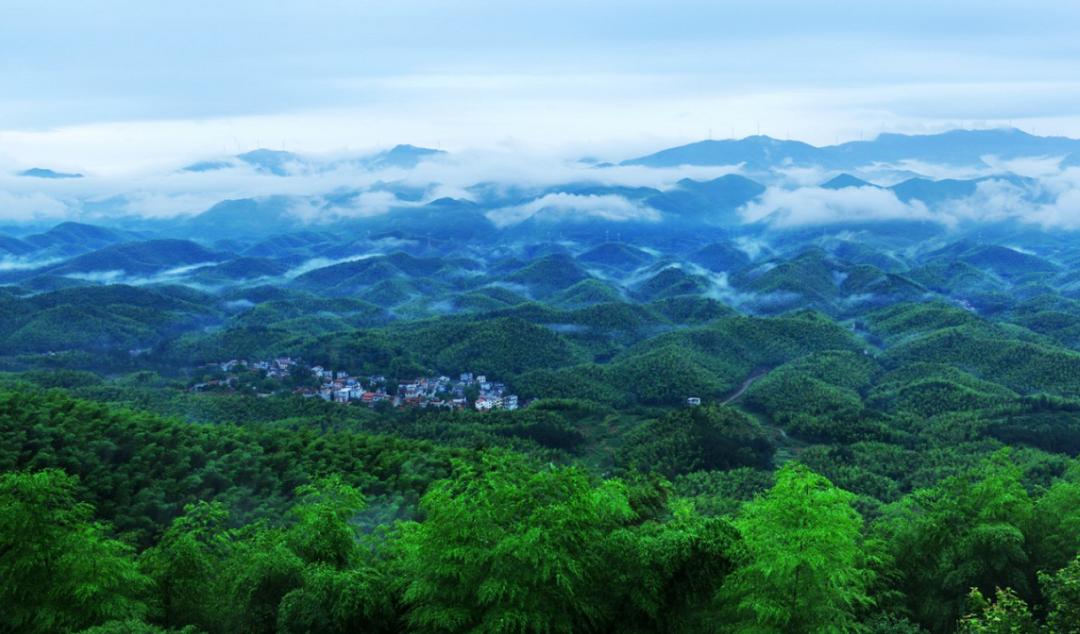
<point>278,368</point>
<point>340,387</point>
<point>425,392</point>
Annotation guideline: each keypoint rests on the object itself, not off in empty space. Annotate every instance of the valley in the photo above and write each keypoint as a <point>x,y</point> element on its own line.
<point>644,369</point>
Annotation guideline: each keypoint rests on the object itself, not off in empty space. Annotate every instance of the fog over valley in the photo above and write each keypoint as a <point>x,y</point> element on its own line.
<point>555,317</point>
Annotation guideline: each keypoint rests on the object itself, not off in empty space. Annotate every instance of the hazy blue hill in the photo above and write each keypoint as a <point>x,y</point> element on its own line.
<point>711,201</point>
<point>553,225</point>
<point>349,276</point>
<point>549,274</point>
<point>207,166</point>
<point>75,237</point>
<point>586,293</point>
<point>245,268</point>
<point>671,282</point>
<point>843,181</point>
<point>134,258</point>
<point>1008,262</point>
<point>447,219</point>
<point>299,243</point>
<point>956,147</point>
<point>721,257</point>
<point>421,267</point>
<point>148,256</point>
<point>861,253</point>
<point>41,172</point>
<point>616,255</point>
<point>1001,260</point>
<point>46,283</point>
<point>246,217</point>
<point>959,147</point>
<point>275,162</point>
<point>403,156</point>
<point>931,191</point>
<point>756,152</point>
<point>14,246</point>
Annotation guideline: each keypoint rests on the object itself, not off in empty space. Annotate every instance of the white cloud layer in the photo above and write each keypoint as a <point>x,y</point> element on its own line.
<point>562,206</point>
<point>785,208</point>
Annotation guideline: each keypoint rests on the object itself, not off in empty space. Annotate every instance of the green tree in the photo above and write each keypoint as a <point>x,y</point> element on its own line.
<point>1007,614</point>
<point>339,591</point>
<point>333,601</point>
<point>322,532</point>
<point>970,531</point>
<point>697,439</point>
<point>1063,598</point>
<point>185,564</point>
<point>668,572</point>
<point>1056,523</point>
<point>507,548</point>
<point>806,570</point>
<point>260,573</point>
<point>59,570</point>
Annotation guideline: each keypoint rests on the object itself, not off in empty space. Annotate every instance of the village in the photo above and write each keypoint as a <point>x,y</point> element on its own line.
<point>339,386</point>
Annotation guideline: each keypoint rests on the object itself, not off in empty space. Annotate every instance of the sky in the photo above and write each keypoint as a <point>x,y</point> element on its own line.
<point>115,86</point>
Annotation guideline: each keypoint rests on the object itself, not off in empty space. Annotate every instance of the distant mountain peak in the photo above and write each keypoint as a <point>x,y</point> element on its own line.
<point>206,166</point>
<point>274,161</point>
<point>954,147</point>
<point>845,180</point>
<point>41,172</point>
<point>404,156</point>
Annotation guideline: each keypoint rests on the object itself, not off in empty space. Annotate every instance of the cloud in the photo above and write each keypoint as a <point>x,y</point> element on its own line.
<point>785,208</point>
<point>30,206</point>
<point>751,247</point>
<point>164,191</point>
<point>562,206</point>
<point>175,275</point>
<point>20,263</point>
<point>319,263</point>
<point>993,201</point>
<point>1052,201</point>
<point>115,276</point>
<point>1064,212</point>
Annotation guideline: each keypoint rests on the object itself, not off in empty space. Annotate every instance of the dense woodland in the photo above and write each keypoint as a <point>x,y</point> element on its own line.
<point>886,441</point>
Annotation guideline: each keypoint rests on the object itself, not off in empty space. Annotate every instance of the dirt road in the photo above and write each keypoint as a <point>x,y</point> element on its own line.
<point>757,374</point>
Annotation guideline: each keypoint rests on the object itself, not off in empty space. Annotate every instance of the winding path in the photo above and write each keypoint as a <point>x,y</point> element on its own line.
<point>759,373</point>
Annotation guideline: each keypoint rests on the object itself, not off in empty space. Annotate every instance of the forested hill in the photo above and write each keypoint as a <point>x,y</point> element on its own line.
<point>732,386</point>
<point>118,521</point>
